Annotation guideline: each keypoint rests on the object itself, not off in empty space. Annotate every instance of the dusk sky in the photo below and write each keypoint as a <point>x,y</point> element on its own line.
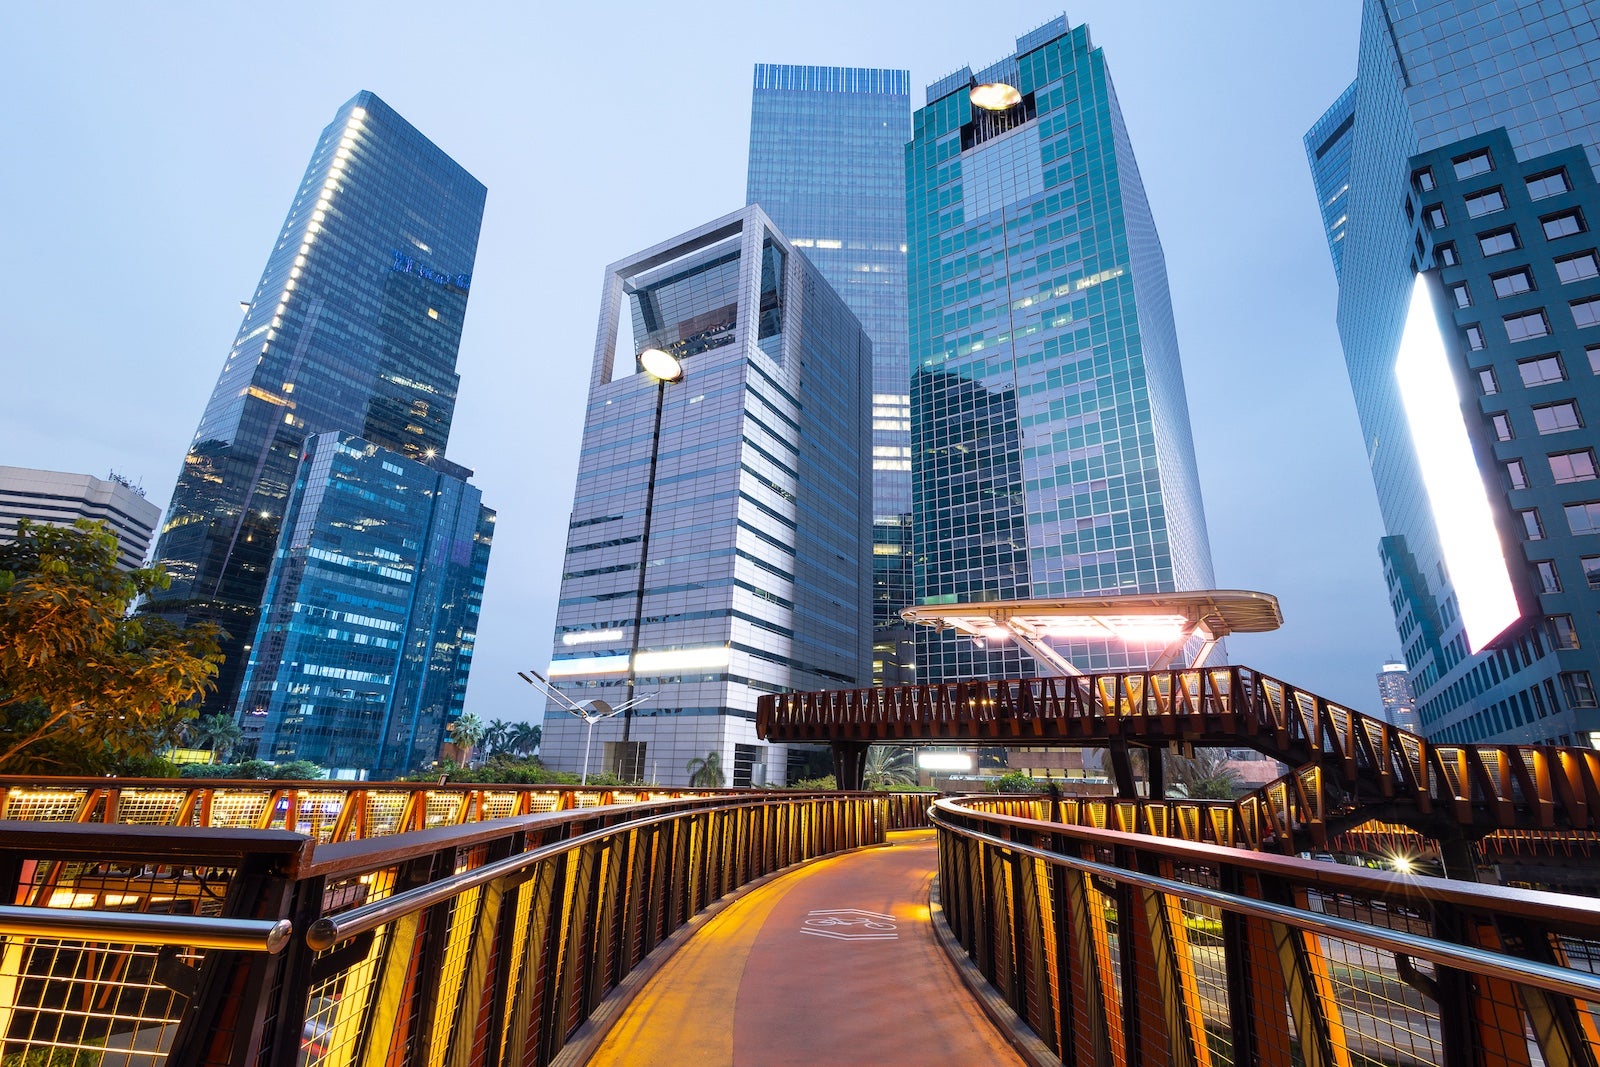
<point>151,153</point>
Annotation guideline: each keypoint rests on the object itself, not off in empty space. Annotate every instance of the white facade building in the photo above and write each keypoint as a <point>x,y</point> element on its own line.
<point>61,499</point>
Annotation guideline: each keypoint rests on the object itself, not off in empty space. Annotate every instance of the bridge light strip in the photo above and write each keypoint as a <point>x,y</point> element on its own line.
<point>1468,539</point>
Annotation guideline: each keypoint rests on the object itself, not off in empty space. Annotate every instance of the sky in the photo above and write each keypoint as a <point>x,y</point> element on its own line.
<point>152,151</point>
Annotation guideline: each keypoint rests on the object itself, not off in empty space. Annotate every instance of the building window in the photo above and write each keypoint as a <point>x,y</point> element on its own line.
<point>1486,203</point>
<point>1550,183</point>
<point>1460,295</point>
<point>1578,268</point>
<point>1527,325</point>
<point>1488,384</point>
<point>1532,528</point>
<point>1492,244</point>
<point>1423,179</point>
<point>1476,163</point>
<point>1579,689</point>
<point>1445,254</point>
<point>1502,426</point>
<point>1586,312</point>
<point>1513,282</point>
<point>1583,518</point>
<point>1435,216</point>
<point>1572,466</point>
<point>1593,352</point>
<point>1557,418</point>
<point>1562,633</point>
<point>1549,581</point>
<point>1475,339</point>
<point>1591,571</point>
<point>1562,225</point>
<point>1516,474</point>
<point>1541,370</point>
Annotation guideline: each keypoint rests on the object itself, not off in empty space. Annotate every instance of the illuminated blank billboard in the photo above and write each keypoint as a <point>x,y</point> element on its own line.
<point>1473,553</point>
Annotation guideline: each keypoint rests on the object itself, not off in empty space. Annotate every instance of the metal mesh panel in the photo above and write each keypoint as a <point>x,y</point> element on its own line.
<point>239,808</point>
<point>45,805</point>
<point>150,807</point>
<point>443,809</point>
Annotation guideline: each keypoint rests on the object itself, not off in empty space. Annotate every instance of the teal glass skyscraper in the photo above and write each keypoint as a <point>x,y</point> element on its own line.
<point>1463,155</point>
<point>353,327</point>
<point>827,165</point>
<point>1050,439</point>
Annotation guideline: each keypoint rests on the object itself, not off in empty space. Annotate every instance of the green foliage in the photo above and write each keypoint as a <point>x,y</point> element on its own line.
<point>1015,782</point>
<point>705,773</point>
<point>888,767</point>
<point>84,685</point>
<point>505,770</point>
<point>219,733</point>
<point>60,1057</point>
<point>1206,776</point>
<point>295,770</point>
<point>827,781</point>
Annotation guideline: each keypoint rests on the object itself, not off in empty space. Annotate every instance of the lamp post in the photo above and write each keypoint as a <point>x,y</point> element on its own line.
<point>590,712</point>
<point>664,368</point>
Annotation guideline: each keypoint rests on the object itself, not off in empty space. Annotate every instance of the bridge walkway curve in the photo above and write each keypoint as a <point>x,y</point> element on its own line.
<point>834,963</point>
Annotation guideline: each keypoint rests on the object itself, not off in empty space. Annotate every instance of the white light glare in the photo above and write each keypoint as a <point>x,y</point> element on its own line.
<point>578,668</point>
<point>590,637</point>
<point>1471,545</point>
<point>944,761</point>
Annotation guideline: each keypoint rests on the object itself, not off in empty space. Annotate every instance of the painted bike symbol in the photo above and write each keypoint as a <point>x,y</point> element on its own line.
<point>850,924</point>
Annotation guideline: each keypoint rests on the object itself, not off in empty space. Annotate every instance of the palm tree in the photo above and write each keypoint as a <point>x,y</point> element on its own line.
<point>705,773</point>
<point>467,733</point>
<point>524,738</point>
<point>1206,776</point>
<point>218,733</point>
<point>496,736</point>
<point>888,766</point>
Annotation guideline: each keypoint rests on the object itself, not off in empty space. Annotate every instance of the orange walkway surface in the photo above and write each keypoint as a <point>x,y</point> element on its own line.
<point>834,964</point>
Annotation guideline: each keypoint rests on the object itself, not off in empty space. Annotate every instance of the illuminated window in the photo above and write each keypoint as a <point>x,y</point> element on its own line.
<point>1550,183</point>
<point>1557,418</point>
<point>1475,339</point>
<point>1579,689</point>
<point>1488,384</point>
<point>1562,633</point>
<point>1435,216</point>
<point>1529,324</point>
<point>1446,255</point>
<point>1492,244</point>
<point>1460,295</point>
<point>1541,370</point>
<point>1565,224</point>
<point>1586,312</point>
<point>1583,518</point>
<point>1572,466</point>
<point>1476,163</point>
<point>1591,571</point>
<point>1549,581</point>
<point>1577,268</point>
<point>1424,179</point>
<point>1501,422</point>
<point>1532,528</point>
<point>1516,474</point>
<point>1513,282</point>
<point>1486,203</point>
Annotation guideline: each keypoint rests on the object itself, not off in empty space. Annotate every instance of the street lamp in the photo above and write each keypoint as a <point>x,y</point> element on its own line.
<point>590,712</point>
<point>664,367</point>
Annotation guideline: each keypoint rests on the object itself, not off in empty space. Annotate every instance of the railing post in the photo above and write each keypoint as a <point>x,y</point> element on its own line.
<point>1257,999</point>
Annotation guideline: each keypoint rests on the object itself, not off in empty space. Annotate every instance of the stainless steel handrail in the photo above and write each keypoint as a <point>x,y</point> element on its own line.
<point>138,928</point>
<point>1580,984</point>
<point>329,930</point>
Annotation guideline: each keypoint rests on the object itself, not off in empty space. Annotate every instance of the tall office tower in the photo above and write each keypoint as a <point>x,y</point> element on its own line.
<point>354,326</point>
<point>1050,440</point>
<point>827,164</point>
<point>720,540</point>
<point>62,499</point>
<point>1395,696</point>
<point>1468,141</point>
<point>367,629</point>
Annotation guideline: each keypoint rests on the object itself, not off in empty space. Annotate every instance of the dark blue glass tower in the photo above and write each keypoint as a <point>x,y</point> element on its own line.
<point>827,164</point>
<point>1050,440</point>
<point>354,327</point>
<point>367,628</point>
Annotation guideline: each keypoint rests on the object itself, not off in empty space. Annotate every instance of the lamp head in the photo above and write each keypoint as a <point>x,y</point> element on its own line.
<point>661,366</point>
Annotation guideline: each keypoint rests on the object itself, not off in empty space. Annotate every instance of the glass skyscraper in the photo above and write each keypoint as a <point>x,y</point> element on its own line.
<point>1464,151</point>
<point>720,539</point>
<point>367,629</point>
<point>353,327</point>
<point>827,164</point>
<point>1050,439</point>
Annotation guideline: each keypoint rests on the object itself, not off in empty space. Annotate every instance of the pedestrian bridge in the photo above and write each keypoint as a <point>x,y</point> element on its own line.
<point>251,923</point>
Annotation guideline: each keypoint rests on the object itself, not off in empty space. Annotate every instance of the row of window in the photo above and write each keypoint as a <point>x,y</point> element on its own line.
<point>1558,417</point>
<point>1544,184</point>
<point>1565,468</point>
<point>1582,518</point>
<point>1527,325</point>
<point>1577,268</point>
<point>1550,576</point>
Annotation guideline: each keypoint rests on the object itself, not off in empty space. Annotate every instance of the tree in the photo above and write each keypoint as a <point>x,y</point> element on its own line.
<point>525,738</point>
<point>496,736</point>
<point>83,684</point>
<point>1207,776</point>
<point>705,773</point>
<point>467,733</point>
<point>219,733</point>
<point>888,766</point>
